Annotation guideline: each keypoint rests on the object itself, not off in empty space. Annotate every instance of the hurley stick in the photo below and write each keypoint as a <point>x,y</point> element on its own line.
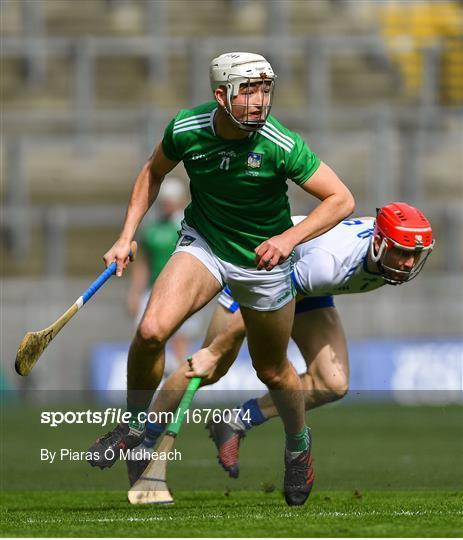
<point>34,343</point>
<point>151,487</point>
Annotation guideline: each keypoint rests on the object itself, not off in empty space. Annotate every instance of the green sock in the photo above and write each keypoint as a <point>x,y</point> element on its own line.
<point>298,442</point>
<point>134,422</point>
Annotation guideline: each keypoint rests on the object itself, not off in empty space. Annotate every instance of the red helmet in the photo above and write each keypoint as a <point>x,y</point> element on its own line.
<point>403,241</point>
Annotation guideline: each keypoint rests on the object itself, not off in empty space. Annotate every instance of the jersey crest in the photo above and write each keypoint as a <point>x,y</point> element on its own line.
<point>254,160</point>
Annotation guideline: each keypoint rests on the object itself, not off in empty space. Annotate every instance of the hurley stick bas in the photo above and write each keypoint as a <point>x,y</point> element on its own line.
<point>34,343</point>
<point>151,487</point>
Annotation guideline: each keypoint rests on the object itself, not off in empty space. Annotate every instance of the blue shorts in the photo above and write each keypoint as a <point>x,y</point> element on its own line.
<point>309,303</point>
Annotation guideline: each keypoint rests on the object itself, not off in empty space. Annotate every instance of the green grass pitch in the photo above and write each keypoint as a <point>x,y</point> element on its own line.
<point>197,514</point>
<point>381,470</point>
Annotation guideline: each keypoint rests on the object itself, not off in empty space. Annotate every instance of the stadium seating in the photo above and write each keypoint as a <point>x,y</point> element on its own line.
<point>88,86</point>
<point>410,28</point>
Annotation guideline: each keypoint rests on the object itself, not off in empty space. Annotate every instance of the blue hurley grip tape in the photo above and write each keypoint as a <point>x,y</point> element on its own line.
<point>99,281</point>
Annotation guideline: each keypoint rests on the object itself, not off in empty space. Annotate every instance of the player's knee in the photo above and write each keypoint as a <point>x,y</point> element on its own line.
<point>337,384</point>
<point>338,390</point>
<point>272,377</point>
<point>335,389</point>
<point>321,389</point>
<point>152,335</point>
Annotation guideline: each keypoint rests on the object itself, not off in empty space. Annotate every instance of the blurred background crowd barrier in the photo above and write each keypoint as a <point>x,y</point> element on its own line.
<point>374,87</point>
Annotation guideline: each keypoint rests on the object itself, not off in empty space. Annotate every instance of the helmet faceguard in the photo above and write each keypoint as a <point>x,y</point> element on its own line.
<point>245,74</point>
<point>402,242</point>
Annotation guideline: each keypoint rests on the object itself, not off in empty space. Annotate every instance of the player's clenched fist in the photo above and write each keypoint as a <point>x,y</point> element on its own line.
<point>203,364</point>
<point>273,251</point>
<point>122,252</point>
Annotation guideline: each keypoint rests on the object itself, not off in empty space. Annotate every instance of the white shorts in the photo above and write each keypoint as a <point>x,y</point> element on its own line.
<point>252,288</point>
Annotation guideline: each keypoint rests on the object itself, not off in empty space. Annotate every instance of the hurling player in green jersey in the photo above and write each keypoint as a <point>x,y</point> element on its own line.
<point>237,230</point>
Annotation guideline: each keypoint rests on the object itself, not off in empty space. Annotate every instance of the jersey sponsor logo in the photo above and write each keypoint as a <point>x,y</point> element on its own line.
<point>197,156</point>
<point>352,222</point>
<point>227,153</point>
<point>254,160</point>
<point>362,234</point>
<point>186,240</point>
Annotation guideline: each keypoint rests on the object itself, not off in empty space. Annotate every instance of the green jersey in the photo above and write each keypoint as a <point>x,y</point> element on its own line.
<point>158,239</point>
<point>238,187</point>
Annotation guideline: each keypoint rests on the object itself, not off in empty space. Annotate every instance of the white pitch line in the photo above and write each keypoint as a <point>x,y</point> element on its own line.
<point>356,513</point>
<point>132,519</point>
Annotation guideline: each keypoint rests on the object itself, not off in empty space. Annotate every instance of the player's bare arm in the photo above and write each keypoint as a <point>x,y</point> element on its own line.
<point>212,362</point>
<point>144,193</point>
<point>337,202</point>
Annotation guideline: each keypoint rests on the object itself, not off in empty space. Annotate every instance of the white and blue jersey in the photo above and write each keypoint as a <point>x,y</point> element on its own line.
<point>333,263</point>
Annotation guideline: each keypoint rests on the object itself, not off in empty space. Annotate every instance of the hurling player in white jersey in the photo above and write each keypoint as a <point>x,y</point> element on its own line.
<point>356,256</point>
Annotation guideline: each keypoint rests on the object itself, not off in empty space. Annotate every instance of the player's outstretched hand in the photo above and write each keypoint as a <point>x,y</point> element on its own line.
<point>272,252</point>
<point>122,252</point>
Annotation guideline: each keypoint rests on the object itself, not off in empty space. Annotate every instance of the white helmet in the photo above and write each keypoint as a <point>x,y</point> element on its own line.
<point>231,70</point>
<point>172,189</point>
